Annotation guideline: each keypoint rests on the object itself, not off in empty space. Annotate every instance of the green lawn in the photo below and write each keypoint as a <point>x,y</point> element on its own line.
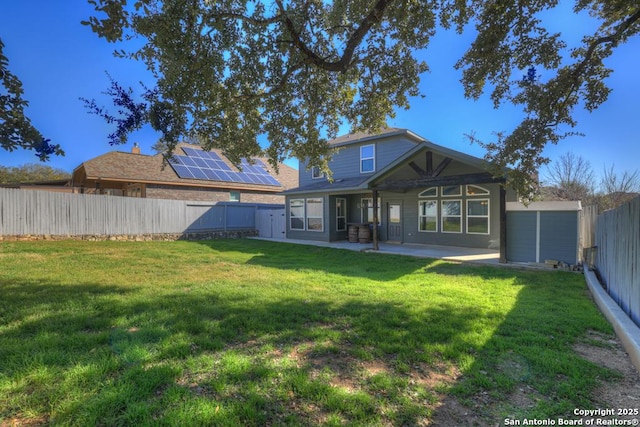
<point>245,332</point>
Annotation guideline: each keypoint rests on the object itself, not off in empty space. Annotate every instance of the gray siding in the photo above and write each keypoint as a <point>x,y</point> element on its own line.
<point>559,236</point>
<point>346,162</point>
<point>409,202</point>
<point>521,236</point>
<point>323,235</point>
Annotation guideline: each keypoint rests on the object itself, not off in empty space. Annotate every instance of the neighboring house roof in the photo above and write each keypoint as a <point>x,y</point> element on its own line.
<point>133,167</point>
<point>362,183</point>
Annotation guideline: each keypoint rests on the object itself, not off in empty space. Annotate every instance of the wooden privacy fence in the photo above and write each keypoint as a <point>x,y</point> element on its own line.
<point>59,214</point>
<point>618,255</point>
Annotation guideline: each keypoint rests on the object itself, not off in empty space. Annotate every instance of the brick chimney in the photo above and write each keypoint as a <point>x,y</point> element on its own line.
<point>136,148</point>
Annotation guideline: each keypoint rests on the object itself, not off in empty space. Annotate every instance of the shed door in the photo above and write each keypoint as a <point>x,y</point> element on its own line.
<point>521,236</point>
<point>394,224</point>
<point>559,236</point>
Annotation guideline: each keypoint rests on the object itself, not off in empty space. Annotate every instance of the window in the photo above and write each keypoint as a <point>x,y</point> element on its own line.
<point>428,216</point>
<point>478,216</point>
<point>451,216</point>
<point>316,173</point>
<point>341,214</point>
<point>451,190</point>
<point>315,214</point>
<point>367,211</point>
<point>234,196</point>
<point>429,192</point>
<point>476,190</point>
<point>296,214</point>
<point>367,158</point>
<point>134,190</point>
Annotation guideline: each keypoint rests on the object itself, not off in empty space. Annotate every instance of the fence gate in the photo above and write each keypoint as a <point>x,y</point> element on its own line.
<point>270,223</point>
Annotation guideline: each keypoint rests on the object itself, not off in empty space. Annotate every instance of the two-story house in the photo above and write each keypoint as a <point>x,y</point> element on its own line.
<point>419,192</point>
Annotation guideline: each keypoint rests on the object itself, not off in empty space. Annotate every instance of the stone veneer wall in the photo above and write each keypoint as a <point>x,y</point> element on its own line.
<point>167,237</point>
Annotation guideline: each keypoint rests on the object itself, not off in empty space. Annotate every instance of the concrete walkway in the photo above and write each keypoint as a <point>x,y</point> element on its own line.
<point>449,253</point>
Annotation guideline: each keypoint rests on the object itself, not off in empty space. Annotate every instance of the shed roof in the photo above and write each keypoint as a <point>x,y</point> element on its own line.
<point>545,206</point>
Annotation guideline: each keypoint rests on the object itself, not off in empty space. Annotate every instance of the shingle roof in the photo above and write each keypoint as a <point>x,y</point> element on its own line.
<point>344,184</point>
<point>356,137</point>
<point>131,167</point>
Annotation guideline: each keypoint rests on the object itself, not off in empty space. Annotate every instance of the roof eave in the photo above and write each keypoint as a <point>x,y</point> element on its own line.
<point>378,136</point>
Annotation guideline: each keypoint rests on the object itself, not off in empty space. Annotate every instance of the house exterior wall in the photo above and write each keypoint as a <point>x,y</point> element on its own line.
<point>409,203</point>
<point>185,193</point>
<point>325,234</point>
<point>388,150</point>
<point>207,194</point>
<point>346,162</point>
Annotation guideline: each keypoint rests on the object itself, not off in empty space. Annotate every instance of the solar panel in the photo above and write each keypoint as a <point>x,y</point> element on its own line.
<point>208,166</point>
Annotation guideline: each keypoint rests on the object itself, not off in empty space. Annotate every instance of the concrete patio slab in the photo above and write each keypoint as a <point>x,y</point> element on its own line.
<point>449,253</point>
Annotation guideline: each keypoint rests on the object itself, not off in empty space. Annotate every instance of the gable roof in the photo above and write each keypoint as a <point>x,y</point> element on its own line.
<point>365,182</point>
<point>133,167</point>
<point>359,137</point>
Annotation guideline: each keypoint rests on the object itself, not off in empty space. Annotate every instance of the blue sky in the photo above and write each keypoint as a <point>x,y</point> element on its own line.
<point>60,60</point>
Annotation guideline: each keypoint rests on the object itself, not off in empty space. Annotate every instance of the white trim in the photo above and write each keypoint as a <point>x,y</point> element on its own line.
<point>422,216</point>
<point>486,190</point>
<point>307,216</point>
<point>427,189</point>
<point>442,216</point>
<point>373,146</point>
<point>487,216</point>
<point>320,173</point>
<point>304,215</point>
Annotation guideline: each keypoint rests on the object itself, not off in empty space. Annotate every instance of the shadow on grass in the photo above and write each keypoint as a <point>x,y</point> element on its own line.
<point>94,354</point>
<point>105,355</point>
<point>378,267</point>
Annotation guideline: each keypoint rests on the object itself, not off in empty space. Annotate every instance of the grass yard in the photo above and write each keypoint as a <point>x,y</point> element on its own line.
<point>253,333</point>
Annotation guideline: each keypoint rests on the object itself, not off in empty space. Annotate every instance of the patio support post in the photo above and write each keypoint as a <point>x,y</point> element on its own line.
<point>375,220</point>
<point>503,225</point>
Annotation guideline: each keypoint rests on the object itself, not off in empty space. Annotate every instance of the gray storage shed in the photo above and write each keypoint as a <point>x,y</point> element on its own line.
<point>544,231</point>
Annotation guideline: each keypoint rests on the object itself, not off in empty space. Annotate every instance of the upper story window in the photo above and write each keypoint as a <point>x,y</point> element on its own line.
<point>367,158</point>
<point>316,173</point>
<point>234,196</point>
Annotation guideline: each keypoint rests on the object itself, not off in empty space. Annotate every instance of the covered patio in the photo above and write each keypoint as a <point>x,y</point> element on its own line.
<point>449,253</point>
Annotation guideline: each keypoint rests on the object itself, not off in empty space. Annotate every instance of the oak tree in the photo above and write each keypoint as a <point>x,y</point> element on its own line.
<point>16,130</point>
<point>231,71</point>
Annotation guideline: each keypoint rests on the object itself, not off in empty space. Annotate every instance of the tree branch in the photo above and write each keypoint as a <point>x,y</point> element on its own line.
<point>613,39</point>
<point>341,65</point>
